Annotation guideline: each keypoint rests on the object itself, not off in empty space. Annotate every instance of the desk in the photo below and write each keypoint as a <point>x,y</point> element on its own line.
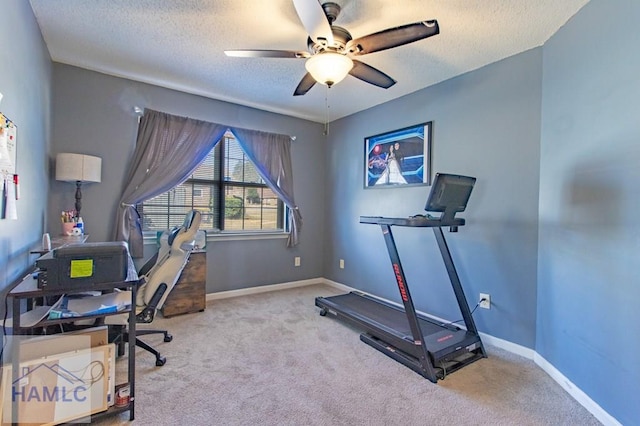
<point>28,290</point>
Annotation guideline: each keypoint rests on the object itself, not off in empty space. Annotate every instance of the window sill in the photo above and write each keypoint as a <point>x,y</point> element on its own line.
<point>150,236</point>
<point>236,236</point>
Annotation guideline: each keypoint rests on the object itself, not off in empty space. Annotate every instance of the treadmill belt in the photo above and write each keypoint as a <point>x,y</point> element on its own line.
<point>391,317</point>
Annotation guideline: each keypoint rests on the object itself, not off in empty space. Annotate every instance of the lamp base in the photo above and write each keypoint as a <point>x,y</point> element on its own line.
<point>78,197</point>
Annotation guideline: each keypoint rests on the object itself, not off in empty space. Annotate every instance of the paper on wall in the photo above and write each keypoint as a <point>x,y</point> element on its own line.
<point>8,133</point>
<point>11,211</point>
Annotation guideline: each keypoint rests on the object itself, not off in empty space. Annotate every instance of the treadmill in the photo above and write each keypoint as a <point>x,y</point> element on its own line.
<point>430,347</point>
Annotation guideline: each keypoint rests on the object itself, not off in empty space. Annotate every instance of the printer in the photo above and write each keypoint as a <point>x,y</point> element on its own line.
<point>79,266</point>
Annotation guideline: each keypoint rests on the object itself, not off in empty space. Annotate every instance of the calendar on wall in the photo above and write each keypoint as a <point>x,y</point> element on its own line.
<point>9,177</point>
<point>8,151</point>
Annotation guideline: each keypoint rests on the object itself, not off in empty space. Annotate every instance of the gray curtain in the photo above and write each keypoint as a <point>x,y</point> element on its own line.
<point>168,149</point>
<point>271,153</point>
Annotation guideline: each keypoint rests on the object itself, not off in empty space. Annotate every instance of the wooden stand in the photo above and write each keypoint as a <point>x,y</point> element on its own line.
<point>189,293</point>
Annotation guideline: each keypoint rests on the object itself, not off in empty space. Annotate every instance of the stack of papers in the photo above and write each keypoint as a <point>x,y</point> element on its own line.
<point>30,318</point>
<point>74,306</point>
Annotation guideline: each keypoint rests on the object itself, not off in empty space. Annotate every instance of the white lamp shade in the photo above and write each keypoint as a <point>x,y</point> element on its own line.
<point>78,168</point>
<point>329,67</point>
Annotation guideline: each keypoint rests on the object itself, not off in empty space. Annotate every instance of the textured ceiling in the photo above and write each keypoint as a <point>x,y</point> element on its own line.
<point>179,44</point>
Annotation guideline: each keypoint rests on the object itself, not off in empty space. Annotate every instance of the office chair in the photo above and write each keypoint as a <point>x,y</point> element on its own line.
<point>160,274</point>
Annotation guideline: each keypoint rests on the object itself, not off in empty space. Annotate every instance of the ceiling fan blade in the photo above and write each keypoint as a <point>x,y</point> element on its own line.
<point>392,37</point>
<point>305,85</point>
<point>371,75</point>
<point>266,53</point>
<point>314,20</point>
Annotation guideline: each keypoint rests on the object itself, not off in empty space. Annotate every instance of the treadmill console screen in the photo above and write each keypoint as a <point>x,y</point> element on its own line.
<point>449,194</point>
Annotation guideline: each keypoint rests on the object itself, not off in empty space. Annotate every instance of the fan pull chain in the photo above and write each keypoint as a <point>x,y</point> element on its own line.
<point>326,105</point>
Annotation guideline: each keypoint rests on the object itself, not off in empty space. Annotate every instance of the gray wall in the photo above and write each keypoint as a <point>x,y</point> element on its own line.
<point>485,124</point>
<point>589,285</point>
<point>93,114</point>
<point>25,82</point>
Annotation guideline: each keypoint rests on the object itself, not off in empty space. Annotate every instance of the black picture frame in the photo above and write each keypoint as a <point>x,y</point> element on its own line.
<point>399,158</point>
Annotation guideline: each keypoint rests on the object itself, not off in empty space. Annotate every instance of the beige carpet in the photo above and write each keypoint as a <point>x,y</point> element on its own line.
<point>270,359</point>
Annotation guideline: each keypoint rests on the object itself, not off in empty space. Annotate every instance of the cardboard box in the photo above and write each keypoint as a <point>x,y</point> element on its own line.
<point>42,346</point>
<point>58,388</point>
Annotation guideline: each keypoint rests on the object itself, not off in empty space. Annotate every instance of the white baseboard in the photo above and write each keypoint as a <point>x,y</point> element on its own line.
<point>338,286</point>
<point>262,289</point>
<point>508,346</point>
<point>581,397</point>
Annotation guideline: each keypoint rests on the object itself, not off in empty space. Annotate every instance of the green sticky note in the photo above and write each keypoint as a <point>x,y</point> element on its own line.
<point>81,268</point>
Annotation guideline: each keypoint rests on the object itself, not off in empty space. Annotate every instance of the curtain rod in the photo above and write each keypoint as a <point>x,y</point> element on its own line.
<point>140,112</point>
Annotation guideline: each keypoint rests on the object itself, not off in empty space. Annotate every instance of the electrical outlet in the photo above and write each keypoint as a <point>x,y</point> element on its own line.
<point>296,261</point>
<point>341,263</point>
<point>485,301</point>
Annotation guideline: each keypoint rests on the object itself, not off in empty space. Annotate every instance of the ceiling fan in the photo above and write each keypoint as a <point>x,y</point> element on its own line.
<point>331,49</point>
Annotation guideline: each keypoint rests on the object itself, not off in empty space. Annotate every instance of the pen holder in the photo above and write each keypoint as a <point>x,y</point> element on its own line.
<point>67,228</point>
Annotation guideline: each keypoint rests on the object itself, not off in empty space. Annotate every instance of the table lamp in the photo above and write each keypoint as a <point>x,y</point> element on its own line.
<point>78,168</point>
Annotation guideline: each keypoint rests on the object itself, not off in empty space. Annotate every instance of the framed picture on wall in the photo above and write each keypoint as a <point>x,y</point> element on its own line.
<point>398,158</point>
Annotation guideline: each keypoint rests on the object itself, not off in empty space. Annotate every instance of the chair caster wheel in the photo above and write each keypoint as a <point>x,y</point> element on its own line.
<point>168,337</point>
<point>323,312</point>
<point>160,361</point>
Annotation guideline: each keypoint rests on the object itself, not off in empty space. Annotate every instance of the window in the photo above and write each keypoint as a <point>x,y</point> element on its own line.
<point>226,189</point>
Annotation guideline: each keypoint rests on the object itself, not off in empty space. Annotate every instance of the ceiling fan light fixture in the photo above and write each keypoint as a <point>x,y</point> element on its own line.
<point>329,67</point>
